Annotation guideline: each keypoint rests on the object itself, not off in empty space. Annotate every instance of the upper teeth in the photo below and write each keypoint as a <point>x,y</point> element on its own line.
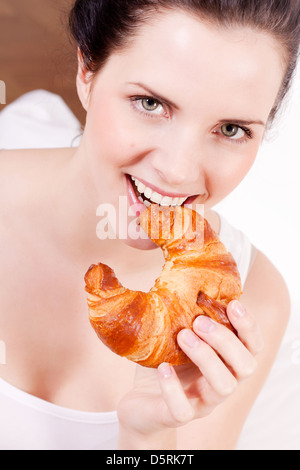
<point>156,197</point>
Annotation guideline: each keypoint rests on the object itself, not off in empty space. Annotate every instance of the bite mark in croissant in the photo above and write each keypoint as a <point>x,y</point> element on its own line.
<point>199,277</point>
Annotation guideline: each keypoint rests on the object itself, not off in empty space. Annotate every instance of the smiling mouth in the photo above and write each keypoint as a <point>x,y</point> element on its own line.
<point>148,196</point>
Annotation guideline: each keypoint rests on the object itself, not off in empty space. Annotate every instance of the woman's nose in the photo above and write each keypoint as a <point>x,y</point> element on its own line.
<point>178,161</point>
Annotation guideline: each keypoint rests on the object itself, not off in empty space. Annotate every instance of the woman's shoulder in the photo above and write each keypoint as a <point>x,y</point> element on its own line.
<point>18,160</point>
<point>266,295</point>
<point>25,178</point>
<point>19,163</point>
<point>10,156</point>
<point>18,173</point>
<point>23,173</point>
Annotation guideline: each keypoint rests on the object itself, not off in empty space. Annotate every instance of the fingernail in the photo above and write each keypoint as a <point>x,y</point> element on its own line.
<point>189,338</point>
<point>238,309</point>
<point>165,370</point>
<point>204,324</point>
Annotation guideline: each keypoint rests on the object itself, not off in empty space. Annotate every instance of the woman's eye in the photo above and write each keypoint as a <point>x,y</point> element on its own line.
<point>150,104</point>
<point>232,131</point>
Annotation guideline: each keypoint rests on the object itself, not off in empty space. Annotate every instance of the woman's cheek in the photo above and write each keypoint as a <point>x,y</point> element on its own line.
<point>116,137</point>
<point>225,177</point>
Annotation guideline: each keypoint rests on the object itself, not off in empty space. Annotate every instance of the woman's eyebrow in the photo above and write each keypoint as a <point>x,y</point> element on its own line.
<point>154,94</point>
<point>243,122</point>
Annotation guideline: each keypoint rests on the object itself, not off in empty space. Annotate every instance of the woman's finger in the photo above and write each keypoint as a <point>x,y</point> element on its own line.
<point>232,351</point>
<point>179,407</point>
<point>246,326</point>
<point>209,363</point>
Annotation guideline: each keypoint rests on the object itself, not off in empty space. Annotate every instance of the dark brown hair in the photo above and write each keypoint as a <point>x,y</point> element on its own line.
<point>101,27</point>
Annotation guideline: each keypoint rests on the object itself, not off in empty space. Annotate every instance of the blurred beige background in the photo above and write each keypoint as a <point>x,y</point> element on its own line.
<point>36,51</point>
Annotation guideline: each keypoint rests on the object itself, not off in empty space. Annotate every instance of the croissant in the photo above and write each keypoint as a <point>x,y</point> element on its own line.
<point>199,278</point>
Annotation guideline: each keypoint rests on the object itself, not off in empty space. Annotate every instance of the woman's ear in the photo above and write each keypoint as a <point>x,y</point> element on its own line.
<point>83,82</point>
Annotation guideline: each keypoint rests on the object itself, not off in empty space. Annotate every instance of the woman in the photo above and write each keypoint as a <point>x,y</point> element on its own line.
<point>179,95</point>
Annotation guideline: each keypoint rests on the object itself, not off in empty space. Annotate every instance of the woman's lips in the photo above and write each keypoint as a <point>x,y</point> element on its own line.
<point>139,207</point>
<point>190,200</point>
<point>162,192</point>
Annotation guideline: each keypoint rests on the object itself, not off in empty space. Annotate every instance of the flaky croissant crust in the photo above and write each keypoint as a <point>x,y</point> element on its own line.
<point>199,277</point>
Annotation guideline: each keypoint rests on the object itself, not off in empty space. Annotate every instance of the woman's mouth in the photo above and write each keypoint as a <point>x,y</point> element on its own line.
<point>140,196</point>
<point>147,195</point>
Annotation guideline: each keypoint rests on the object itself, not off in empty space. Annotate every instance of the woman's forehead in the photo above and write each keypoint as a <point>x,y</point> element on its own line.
<point>181,56</point>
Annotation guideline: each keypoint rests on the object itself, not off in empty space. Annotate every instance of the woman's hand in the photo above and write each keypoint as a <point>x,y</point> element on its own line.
<point>172,397</point>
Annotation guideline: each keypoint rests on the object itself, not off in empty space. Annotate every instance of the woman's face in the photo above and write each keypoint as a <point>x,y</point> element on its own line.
<point>183,110</point>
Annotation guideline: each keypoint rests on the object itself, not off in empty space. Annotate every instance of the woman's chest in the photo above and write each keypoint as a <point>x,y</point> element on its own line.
<point>51,349</point>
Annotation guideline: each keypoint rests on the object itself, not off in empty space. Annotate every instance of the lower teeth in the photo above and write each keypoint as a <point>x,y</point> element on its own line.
<point>145,201</point>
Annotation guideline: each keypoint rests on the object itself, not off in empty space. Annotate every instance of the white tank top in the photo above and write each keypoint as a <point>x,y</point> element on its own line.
<point>29,423</point>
